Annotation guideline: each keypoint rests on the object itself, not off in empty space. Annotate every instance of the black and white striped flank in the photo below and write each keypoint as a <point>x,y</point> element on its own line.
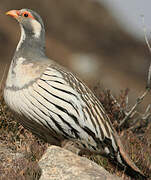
<point>58,100</point>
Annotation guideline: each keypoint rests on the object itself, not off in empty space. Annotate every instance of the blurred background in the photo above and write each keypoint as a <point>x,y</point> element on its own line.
<point>100,40</point>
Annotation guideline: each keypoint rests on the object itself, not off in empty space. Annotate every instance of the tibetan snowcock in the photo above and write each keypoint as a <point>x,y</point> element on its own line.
<point>53,103</point>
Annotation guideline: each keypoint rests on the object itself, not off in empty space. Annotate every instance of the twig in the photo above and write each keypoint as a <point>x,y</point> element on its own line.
<point>138,101</point>
<point>116,102</point>
<point>144,116</point>
<point>147,112</point>
<point>145,34</point>
<point>148,83</point>
<point>3,76</point>
<point>148,86</point>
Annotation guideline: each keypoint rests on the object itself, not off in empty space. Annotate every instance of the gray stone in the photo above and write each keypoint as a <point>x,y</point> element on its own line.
<point>60,164</point>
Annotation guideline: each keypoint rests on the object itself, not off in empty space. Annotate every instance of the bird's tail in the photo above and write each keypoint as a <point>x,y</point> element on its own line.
<point>126,163</point>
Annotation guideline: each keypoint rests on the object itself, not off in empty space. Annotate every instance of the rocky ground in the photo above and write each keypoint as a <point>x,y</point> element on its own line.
<point>58,163</point>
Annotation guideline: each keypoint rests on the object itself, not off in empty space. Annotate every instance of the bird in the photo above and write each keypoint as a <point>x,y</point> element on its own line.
<point>55,104</point>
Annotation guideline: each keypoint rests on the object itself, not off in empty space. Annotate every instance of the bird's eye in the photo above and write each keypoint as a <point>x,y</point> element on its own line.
<point>25,15</point>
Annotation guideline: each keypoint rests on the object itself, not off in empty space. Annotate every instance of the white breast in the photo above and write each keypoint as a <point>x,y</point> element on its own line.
<point>22,74</point>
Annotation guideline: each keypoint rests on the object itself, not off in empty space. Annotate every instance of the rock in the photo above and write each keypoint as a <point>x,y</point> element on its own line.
<point>8,155</point>
<point>8,161</point>
<point>61,164</point>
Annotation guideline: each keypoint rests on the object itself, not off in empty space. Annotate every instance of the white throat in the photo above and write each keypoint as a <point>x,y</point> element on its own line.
<point>22,38</point>
<point>36,28</point>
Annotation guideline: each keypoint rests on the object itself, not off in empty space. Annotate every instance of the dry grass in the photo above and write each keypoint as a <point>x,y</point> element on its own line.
<point>21,143</point>
<point>19,148</point>
<point>135,137</point>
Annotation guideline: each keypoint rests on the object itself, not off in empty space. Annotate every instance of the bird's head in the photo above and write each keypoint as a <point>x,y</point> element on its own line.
<point>29,20</point>
<point>32,41</point>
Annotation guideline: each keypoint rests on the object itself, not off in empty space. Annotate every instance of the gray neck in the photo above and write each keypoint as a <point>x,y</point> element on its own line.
<point>30,46</point>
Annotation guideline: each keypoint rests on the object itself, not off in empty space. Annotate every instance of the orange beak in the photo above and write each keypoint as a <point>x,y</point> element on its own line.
<point>13,13</point>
